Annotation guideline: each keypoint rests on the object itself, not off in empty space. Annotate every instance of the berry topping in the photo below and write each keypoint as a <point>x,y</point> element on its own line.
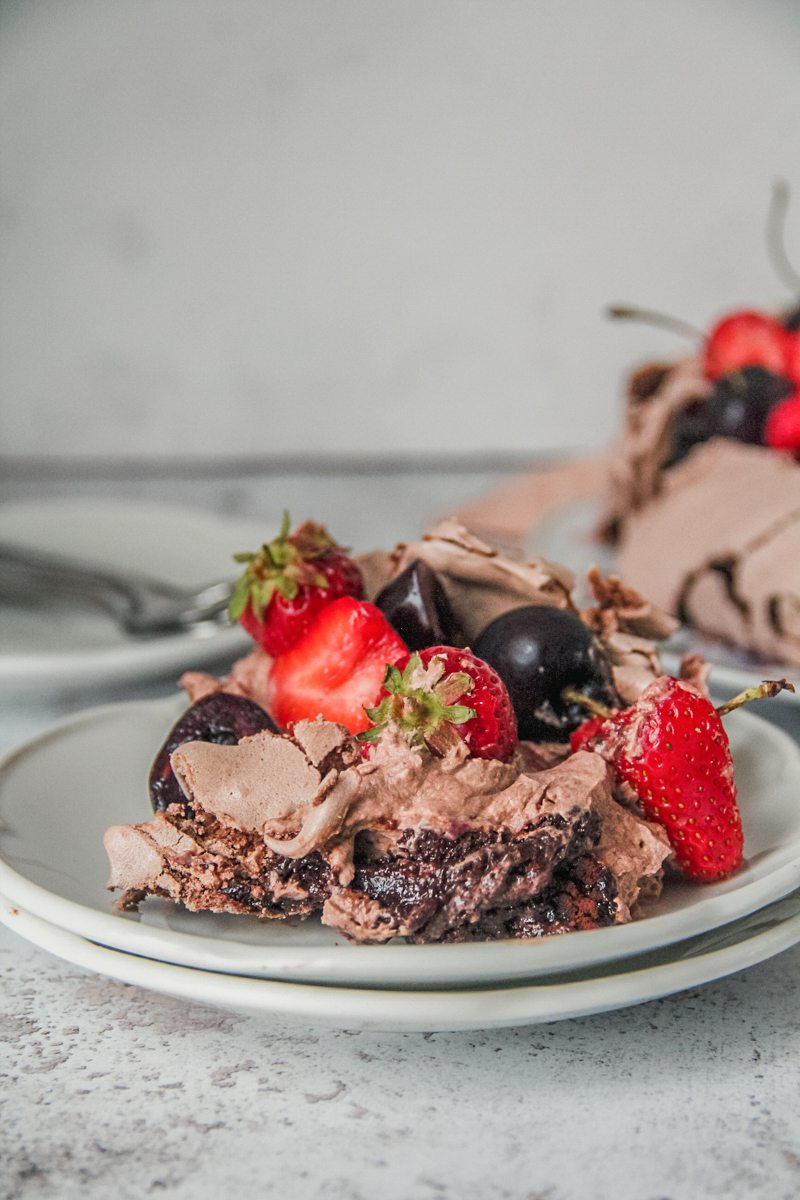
<point>793,355</point>
<point>221,718</point>
<point>416,606</point>
<point>288,581</point>
<point>442,697</point>
<point>337,667</point>
<point>670,747</point>
<point>538,651</point>
<point>738,408</point>
<point>783,426</point>
<point>746,339</point>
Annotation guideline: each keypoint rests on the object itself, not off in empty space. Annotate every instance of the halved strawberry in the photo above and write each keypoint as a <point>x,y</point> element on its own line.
<point>288,581</point>
<point>746,339</point>
<point>337,668</point>
<point>440,697</point>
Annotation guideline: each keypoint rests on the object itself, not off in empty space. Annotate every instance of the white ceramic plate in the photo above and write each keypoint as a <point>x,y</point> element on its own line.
<point>689,965</point>
<point>60,791</point>
<point>59,644</point>
<point>565,535</point>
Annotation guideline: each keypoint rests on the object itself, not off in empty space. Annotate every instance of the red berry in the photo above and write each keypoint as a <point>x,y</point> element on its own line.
<point>670,747</point>
<point>585,733</point>
<point>288,581</point>
<point>337,668</point>
<point>441,696</point>
<point>746,339</point>
<point>782,430</point>
<point>793,357</point>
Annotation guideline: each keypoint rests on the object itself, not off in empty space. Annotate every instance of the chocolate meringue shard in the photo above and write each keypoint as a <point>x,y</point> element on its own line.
<point>479,581</point>
<point>720,547</point>
<point>657,394</point>
<point>403,844</point>
<point>626,624</point>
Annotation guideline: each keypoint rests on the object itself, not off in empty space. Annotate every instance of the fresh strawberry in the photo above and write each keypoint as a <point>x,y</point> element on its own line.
<point>337,668</point>
<point>782,430</point>
<point>288,581</point>
<point>441,697</point>
<point>746,339</point>
<point>671,748</point>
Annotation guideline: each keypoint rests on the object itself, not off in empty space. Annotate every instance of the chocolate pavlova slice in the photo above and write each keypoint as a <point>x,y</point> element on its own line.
<point>404,843</point>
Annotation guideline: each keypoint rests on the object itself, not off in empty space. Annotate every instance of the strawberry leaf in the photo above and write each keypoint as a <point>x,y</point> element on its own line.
<point>239,598</point>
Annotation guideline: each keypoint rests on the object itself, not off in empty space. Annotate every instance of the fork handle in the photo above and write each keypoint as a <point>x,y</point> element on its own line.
<point>24,573</point>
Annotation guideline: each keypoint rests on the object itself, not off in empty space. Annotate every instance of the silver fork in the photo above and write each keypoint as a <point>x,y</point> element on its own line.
<point>140,604</point>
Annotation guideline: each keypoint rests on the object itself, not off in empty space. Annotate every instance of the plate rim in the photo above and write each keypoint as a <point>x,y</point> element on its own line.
<point>404,1011</point>
<point>343,962</point>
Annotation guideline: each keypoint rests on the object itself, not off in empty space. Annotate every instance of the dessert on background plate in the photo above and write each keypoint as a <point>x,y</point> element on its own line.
<point>703,501</point>
<point>699,498</point>
<point>423,764</point>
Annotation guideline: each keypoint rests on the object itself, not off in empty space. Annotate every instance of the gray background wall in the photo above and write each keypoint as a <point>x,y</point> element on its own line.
<point>370,225</point>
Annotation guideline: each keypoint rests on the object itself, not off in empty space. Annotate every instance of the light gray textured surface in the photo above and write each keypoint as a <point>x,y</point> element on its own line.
<point>107,1090</point>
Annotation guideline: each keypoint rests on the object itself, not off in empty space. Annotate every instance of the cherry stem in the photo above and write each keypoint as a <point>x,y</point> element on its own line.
<point>625,312</point>
<point>776,236</point>
<point>592,706</point>
<point>770,687</point>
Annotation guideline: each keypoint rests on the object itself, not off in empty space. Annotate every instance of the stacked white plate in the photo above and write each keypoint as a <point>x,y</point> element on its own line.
<point>60,791</point>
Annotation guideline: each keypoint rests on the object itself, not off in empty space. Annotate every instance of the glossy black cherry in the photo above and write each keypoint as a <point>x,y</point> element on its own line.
<point>538,651</point>
<point>415,605</point>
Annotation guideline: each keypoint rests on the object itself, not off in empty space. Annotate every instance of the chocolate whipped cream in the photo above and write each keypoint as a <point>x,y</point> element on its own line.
<point>272,785</point>
<point>248,677</point>
<point>720,546</point>
<point>635,850</point>
<point>479,581</point>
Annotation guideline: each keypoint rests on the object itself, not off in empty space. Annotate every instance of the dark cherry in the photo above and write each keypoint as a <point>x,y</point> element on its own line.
<point>737,408</point>
<point>415,605</point>
<point>220,718</point>
<point>741,402</point>
<point>538,651</point>
<point>689,429</point>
